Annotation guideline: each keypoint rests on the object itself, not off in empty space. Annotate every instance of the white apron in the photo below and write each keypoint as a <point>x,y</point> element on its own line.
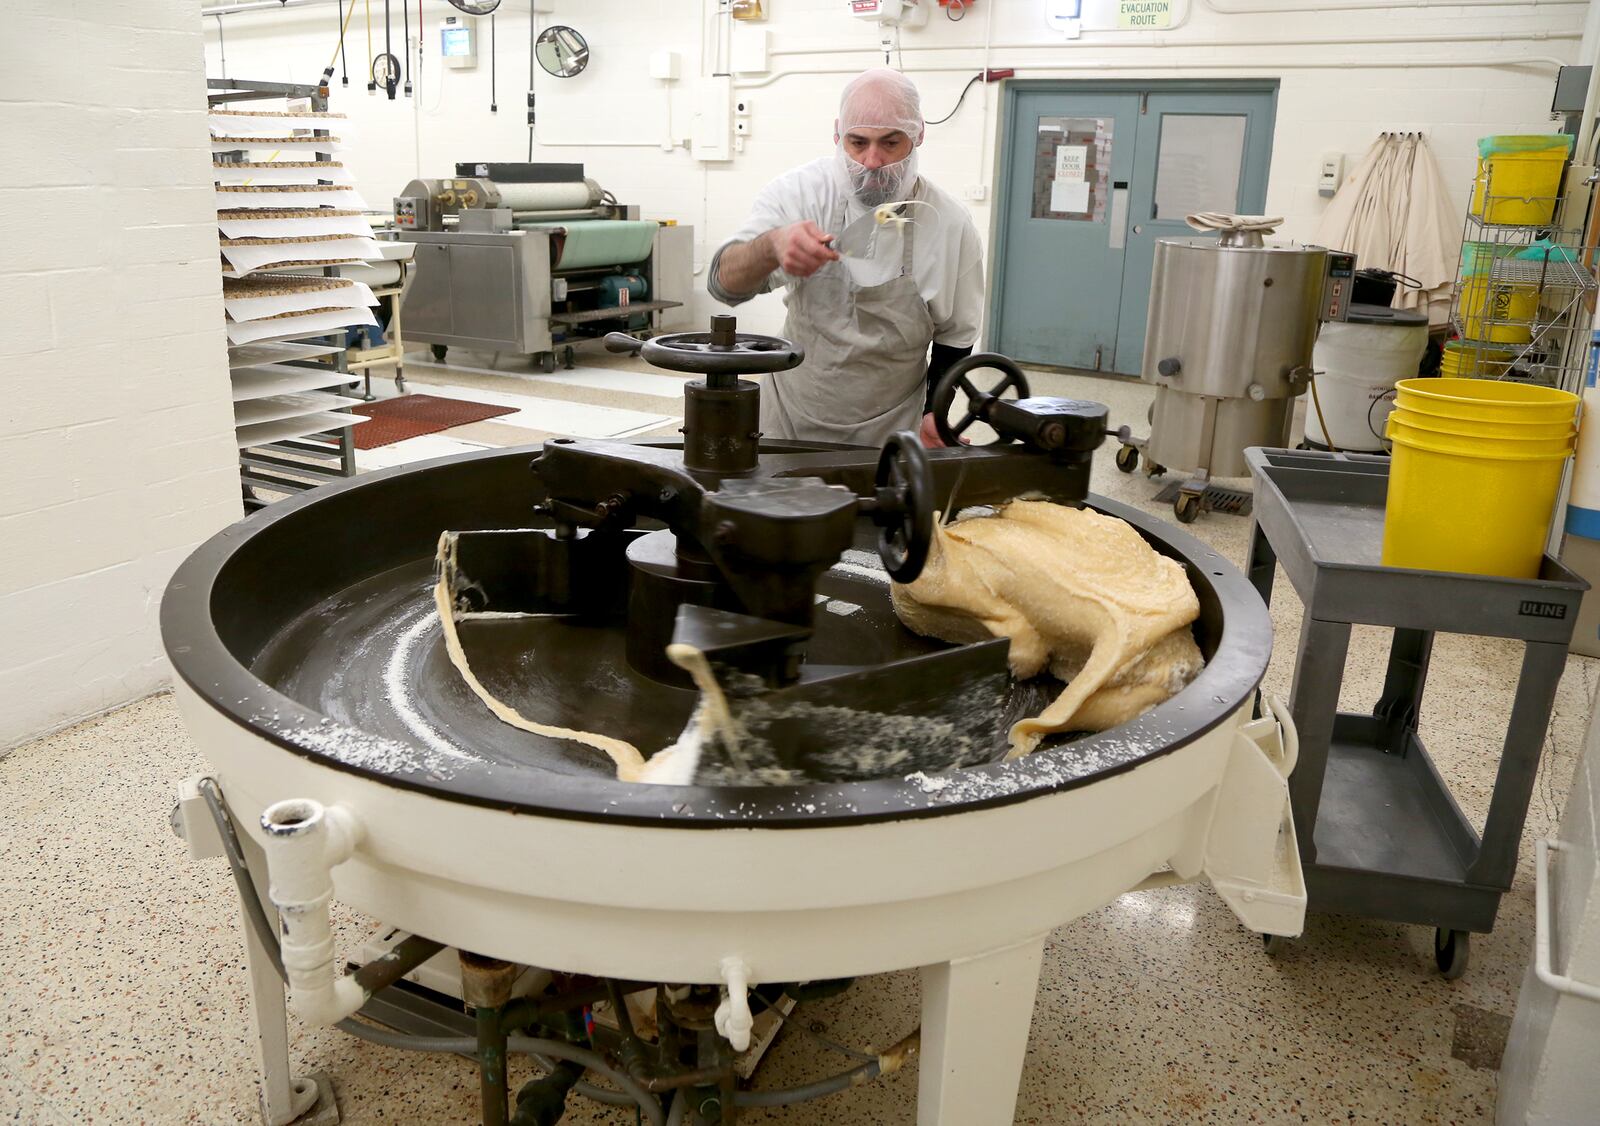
<point>866,357</point>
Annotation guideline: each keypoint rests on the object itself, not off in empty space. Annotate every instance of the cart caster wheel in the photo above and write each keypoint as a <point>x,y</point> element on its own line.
<point>1450,952</point>
<point>1128,459</point>
<point>547,362</point>
<point>1152,469</point>
<point>1186,508</point>
<point>1274,944</point>
<point>439,352</point>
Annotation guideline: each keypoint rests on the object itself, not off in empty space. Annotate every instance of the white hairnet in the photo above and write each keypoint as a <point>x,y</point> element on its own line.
<point>880,99</point>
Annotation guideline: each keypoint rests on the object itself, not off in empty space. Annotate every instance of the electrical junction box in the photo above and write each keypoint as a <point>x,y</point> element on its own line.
<point>458,41</point>
<point>893,13</point>
<point>713,120</point>
<point>1330,173</point>
<point>750,48</point>
<point>664,65</point>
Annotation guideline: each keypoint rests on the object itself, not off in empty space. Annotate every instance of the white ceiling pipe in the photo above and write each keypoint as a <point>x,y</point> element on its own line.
<point>257,6</point>
<point>1339,41</point>
<point>1387,5</point>
<point>1246,69</point>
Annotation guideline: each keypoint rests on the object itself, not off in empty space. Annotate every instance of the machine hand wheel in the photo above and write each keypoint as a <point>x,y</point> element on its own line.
<point>722,351</point>
<point>944,395</point>
<point>904,509</point>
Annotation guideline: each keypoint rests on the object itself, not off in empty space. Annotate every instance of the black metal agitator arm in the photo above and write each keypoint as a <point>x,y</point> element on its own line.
<point>749,530</point>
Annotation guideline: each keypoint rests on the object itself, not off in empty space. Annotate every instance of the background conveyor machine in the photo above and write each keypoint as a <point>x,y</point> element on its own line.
<point>529,258</point>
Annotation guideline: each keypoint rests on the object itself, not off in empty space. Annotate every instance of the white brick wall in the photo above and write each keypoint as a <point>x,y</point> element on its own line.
<point>116,429</point>
<point>1336,106</point>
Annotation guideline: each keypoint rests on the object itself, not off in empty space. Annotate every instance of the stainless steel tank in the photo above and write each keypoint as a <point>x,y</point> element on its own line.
<point>1228,347</point>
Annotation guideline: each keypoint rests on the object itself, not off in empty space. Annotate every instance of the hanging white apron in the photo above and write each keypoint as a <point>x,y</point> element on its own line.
<point>866,356</point>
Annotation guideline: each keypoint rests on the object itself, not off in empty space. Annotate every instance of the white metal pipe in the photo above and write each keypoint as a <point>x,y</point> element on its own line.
<point>733,1018</point>
<point>1531,36</point>
<point>1386,5</point>
<point>305,841</point>
<point>1497,61</point>
<point>1542,926</point>
<point>257,6</point>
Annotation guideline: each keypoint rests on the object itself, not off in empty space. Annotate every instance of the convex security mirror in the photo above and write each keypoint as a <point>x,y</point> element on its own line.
<point>561,51</point>
<point>476,7</point>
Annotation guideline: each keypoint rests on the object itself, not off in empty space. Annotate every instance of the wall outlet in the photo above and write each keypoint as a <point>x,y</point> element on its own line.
<point>976,192</point>
<point>741,126</point>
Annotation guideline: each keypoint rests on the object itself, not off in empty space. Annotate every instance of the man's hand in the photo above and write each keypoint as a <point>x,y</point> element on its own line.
<point>802,248</point>
<point>930,434</point>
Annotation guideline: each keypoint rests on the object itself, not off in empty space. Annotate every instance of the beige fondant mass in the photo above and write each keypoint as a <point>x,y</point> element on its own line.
<point>1078,593</point>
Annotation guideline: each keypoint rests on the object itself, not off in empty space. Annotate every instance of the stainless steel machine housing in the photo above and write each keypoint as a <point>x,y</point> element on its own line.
<point>1228,347</point>
<point>484,278</point>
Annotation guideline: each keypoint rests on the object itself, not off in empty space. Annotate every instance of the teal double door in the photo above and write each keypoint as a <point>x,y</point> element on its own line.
<point>1092,175</point>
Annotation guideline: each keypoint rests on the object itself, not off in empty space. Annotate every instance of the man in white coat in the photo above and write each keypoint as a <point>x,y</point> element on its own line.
<point>866,323</point>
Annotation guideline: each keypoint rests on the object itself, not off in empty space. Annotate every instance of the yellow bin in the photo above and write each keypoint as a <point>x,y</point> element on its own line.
<point>1469,429</point>
<point>1463,360</point>
<point>1519,177</point>
<point>1470,505</point>
<point>1487,306</point>
<point>1486,400</point>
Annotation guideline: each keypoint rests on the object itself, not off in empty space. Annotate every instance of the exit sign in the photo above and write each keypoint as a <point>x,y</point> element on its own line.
<point>1151,15</point>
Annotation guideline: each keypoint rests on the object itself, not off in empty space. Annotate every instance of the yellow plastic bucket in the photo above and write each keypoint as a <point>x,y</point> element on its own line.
<point>1514,446</point>
<point>1486,400</point>
<point>1463,360</point>
<point>1470,506</point>
<point>1468,428</point>
<point>1519,187</point>
<point>1487,305</point>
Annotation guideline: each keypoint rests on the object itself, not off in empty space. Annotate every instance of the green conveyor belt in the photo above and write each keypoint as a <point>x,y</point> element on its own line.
<point>601,242</point>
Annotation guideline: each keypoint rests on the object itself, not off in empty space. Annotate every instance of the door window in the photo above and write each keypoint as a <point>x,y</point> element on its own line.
<point>1198,163</point>
<point>1071,167</point>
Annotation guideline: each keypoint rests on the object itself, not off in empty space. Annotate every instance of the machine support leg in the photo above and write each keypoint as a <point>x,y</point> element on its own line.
<point>492,1066</point>
<point>283,1098</point>
<point>975,1019</point>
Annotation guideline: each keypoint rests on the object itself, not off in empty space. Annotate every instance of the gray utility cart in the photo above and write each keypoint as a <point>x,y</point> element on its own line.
<point>1380,834</point>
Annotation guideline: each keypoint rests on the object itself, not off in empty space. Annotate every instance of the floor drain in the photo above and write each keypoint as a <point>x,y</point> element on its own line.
<point>1217,498</point>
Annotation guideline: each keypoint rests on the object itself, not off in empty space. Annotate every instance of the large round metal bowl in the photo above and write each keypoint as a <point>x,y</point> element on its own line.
<point>301,636</point>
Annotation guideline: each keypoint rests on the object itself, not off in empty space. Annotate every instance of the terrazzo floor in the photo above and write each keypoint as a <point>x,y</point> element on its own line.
<point>123,994</point>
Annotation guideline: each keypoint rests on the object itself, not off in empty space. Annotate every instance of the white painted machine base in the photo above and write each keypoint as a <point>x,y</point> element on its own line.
<point>968,896</point>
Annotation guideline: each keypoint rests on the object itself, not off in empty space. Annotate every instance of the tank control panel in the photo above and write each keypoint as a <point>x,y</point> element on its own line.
<point>1338,283</point>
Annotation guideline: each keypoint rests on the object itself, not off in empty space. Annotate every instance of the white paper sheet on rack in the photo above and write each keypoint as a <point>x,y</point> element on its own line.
<point>279,145</point>
<point>352,296</point>
<point>282,379</point>
<point>291,196</point>
<point>264,433</point>
<point>253,125</point>
<point>253,355</point>
<point>281,173</point>
<point>290,328</point>
<point>251,412</point>
<point>296,227</point>
<point>244,259</point>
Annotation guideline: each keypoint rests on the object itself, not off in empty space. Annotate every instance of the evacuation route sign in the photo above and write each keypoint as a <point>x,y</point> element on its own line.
<point>1144,14</point>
